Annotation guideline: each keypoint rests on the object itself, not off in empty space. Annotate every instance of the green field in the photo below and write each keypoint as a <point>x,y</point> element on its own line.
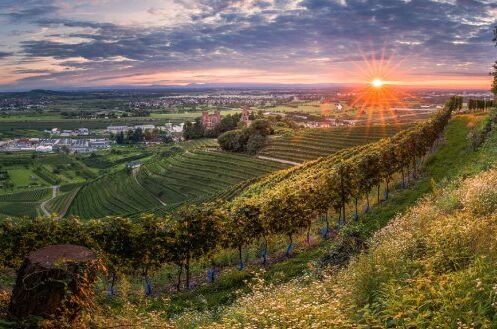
<point>309,144</point>
<point>200,174</point>
<point>309,107</point>
<point>161,183</point>
<point>24,203</point>
<point>188,115</point>
<point>31,117</point>
<point>97,185</point>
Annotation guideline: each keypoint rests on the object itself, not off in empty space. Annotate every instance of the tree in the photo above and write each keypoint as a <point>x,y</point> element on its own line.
<point>153,238</point>
<point>249,139</point>
<point>120,138</point>
<point>284,212</point>
<point>196,233</point>
<point>255,143</point>
<point>494,81</point>
<point>241,227</point>
<point>261,127</point>
<point>116,238</point>
<point>193,130</point>
<point>234,140</point>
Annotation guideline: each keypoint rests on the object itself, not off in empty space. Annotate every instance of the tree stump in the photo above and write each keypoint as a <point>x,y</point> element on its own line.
<point>54,282</point>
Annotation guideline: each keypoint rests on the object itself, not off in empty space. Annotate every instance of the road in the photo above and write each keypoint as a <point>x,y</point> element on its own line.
<point>278,160</point>
<point>43,204</point>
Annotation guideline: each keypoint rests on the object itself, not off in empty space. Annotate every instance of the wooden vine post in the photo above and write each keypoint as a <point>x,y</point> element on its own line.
<point>54,282</point>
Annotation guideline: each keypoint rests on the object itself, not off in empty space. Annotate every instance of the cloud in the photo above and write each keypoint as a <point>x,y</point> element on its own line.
<point>270,35</point>
<point>4,54</point>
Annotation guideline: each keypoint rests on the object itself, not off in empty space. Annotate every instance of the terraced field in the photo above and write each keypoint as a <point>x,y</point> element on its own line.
<point>115,194</point>
<point>24,203</point>
<point>61,203</point>
<point>309,144</point>
<point>200,174</point>
<point>162,184</point>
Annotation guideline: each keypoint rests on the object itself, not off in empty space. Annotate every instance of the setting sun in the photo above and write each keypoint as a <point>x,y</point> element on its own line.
<point>377,83</point>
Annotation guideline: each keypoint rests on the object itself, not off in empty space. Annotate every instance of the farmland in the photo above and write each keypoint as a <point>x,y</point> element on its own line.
<point>200,174</point>
<point>99,184</point>
<point>23,203</point>
<point>190,175</point>
<point>309,144</point>
<point>26,179</point>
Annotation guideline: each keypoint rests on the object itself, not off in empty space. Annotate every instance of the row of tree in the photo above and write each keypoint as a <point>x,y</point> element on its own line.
<point>138,135</point>
<point>479,104</point>
<point>282,204</point>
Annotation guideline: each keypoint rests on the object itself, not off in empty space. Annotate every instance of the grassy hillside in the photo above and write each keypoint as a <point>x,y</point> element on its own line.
<point>434,265</point>
<point>295,291</point>
<point>310,144</point>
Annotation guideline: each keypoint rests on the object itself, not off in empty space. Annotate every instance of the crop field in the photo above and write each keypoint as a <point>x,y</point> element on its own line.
<point>161,185</point>
<point>24,203</point>
<point>190,115</point>
<point>61,203</point>
<point>309,144</point>
<point>308,107</point>
<point>115,194</point>
<point>27,196</point>
<point>199,143</point>
<point>200,174</point>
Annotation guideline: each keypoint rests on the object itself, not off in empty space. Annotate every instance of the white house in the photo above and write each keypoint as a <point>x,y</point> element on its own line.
<point>145,127</point>
<point>117,129</point>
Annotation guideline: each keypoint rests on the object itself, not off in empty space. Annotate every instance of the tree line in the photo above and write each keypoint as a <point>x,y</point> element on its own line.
<point>479,104</point>
<point>285,203</point>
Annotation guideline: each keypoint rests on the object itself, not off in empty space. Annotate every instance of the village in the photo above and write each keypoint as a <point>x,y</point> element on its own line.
<point>79,141</point>
<point>48,145</point>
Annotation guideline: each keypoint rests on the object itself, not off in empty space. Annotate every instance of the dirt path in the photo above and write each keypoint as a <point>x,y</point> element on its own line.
<point>135,172</point>
<point>278,160</point>
<point>43,204</point>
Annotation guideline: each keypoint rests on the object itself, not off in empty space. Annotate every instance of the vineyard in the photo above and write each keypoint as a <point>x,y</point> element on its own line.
<point>311,144</point>
<point>281,207</point>
<point>24,203</point>
<point>284,203</point>
<point>198,175</point>
<point>115,194</point>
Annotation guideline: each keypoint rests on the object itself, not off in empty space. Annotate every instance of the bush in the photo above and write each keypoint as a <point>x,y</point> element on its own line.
<point>249,140</point>
<point>255,143</point>
<point>234,140</point>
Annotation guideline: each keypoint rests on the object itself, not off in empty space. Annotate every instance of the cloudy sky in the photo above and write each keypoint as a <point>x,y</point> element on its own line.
<point>76,43</point>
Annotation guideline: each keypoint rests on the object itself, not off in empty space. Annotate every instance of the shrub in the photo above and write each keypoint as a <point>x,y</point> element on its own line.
<point>255,143</point>
<point>234,140</point>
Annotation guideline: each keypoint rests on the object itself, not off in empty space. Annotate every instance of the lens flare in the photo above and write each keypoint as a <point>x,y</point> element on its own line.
<point>380,98</point>
<point>377,83</point>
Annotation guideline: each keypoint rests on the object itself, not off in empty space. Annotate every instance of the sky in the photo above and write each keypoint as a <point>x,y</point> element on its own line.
<point>53,44</point>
